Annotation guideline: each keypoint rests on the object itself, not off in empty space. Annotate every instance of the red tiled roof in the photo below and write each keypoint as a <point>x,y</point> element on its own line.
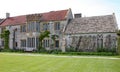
<point>54,15</point>
<point>14,20</point>
<point>49,16</point>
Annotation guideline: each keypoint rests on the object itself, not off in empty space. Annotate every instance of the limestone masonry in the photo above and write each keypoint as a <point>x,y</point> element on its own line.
<point>80,33</point>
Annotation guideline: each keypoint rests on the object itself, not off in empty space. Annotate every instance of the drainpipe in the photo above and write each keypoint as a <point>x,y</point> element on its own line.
<point>14,47</point>
<point>35,34</point>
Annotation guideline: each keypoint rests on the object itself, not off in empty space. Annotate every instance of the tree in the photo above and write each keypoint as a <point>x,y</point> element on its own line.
<point>118,32</point>
<point>5,36</point>
<point>42,36</point>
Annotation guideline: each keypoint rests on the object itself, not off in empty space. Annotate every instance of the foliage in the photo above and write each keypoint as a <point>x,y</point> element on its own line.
<point>54,37</point>
<point>70,49</point>
<point>119,44</point>
<point>89,53</point>
<point>106,50</point>
<point>1,49</point>
<point>5,36</point>
<point>18,50</point>
<point>6,50</point>
<point>53,51</point>
<point>42,50</point>
<point>13,50</point>
<point>42,36</point>
<point>118,32</point>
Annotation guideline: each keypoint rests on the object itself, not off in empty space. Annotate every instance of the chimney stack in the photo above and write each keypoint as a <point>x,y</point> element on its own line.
<point>79,15</point>
<point>7,15</point>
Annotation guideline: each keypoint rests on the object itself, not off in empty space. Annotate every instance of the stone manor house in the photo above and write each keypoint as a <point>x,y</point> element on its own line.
<point>82,33</point>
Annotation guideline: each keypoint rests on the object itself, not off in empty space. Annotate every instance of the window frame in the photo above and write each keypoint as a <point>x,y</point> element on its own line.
<point>57,25</point>
<point>37,27</point>
<point>57,44</point>
<point>23,28</point>
<point>46,26</point>
<point>23,43</point>
<point>46,43</point>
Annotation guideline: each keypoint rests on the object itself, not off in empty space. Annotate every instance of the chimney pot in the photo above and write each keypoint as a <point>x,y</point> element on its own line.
<point>79,15</point>
<point>7,15</point>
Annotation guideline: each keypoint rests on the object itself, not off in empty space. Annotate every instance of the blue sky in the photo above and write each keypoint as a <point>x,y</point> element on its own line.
<point>86,7</point>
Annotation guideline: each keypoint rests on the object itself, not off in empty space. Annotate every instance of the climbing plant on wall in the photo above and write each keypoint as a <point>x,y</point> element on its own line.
<point>42,36</point>
<point>54,37</point>
<point>5,36</point>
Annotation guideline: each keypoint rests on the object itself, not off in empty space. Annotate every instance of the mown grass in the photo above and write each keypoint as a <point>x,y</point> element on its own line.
<point>24,63</point>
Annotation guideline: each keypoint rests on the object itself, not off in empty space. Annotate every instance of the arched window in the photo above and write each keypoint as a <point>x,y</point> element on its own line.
<point>99,41</point>
<point>108,41</point>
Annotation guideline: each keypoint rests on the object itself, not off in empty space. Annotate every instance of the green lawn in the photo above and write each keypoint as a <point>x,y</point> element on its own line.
<point>14,62</point>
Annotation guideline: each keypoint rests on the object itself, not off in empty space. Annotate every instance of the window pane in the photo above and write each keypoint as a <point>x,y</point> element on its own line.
<point>33,42</point>
<point>2,43</point>
<point>57,25</point>
<point>47,43</point>
<point>44,43</point>
<point>43,26</point>
<point>23,43</point>
<point>37,42</point>
<point>37,26</point>
<point>48,26</point>
<point>28,27</point>
<point>33,26</point>
<point>57,43</point>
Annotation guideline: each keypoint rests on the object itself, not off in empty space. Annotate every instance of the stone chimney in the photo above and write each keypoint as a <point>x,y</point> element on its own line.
<point>7,15</point>
<point>78,15</point>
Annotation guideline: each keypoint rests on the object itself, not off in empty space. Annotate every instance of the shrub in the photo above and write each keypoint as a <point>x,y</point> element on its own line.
<point>6,50</point>
<point>89,53</point>
<point>70,49</point>
<point>12,50</point>
<point>119,44</point>
<point>1,49</point>
<point>53,51</point>
<point>18,50</point>
<point>56,51</point>
<point>41,50</point>
<point>106,50</point>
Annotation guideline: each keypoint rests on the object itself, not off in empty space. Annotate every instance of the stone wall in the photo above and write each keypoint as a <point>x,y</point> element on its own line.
<point>92,42</point>
<point>18,36</point>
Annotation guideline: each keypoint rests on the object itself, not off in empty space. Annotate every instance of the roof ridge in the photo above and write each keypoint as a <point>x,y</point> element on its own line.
<point>2,21</point>
<point>41,13</point>
<point>46,16</point>
<point>97,16</point>
<point>16,16</point>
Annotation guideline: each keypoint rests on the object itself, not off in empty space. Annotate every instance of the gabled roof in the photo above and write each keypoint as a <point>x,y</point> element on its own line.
<point>48,16</point>
<point>93,24</point>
